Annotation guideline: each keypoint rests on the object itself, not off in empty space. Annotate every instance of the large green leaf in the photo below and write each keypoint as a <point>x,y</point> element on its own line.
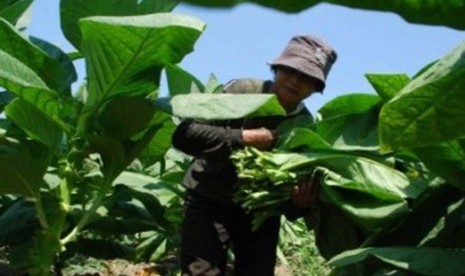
<point>429,211</point>
<point>71,11</point>
<point>447,13</point>
<point>67,75</point>
<point>21,173</point>
<point>23,82</point>
<point>351,131</point>
<point>15,11</point>
<point>429,109</point>
<point>422,260</point>
<point>334,232</point>
<point>161,141</point>
<point>220,106</point>
<point>150,201</point>
<point>156,186</point>
<point>446,160</point>
<point>29,73</point>
<point>387,86</point>
<point>181,81</point>
<point>5,3</point>
<point>124,117</point>
<point>15,45</point>
<point>121,51</point>
<point>369,192</point>
<point>348,104</point>
<point>117,155</point>
<point>34,123</point>
<point>151,6</point>
<point>300,139</point>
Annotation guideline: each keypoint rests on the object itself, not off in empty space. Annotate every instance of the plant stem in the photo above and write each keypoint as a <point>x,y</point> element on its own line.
<point>41,213</point>
<point>87,215</point>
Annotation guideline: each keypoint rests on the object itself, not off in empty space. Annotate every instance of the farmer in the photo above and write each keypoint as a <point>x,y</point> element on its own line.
<point>213,222</point>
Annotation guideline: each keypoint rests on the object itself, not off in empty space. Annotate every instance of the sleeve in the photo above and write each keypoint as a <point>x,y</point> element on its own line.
<point>206,140</point>
<point>214,140</point>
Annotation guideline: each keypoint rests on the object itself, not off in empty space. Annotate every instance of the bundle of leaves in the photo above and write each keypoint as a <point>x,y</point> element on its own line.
<point>370,192</point>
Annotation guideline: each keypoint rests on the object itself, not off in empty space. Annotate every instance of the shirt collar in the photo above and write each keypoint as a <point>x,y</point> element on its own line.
<point>296,110</point>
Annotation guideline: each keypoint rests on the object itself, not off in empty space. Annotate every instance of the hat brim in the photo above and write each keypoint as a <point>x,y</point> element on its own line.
<point>313,72</point>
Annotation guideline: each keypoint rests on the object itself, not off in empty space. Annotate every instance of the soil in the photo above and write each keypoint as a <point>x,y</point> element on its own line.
<point>102,268</point>
<point>93,267</point>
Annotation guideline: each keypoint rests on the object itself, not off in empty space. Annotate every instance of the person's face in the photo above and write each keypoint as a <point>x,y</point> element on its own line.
<point>292,87</point>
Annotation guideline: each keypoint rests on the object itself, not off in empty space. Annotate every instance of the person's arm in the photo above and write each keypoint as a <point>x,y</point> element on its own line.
<point>204,140</point>
<point>215,141</point>
<point>212,140</point>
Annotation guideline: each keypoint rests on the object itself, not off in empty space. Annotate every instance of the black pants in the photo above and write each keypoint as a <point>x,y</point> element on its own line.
<point>210,227</point>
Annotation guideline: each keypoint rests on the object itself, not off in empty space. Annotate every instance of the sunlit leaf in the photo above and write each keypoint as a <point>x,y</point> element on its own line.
<point>125,55</point>
<point>429,109</point>
<point>181,81</point>
<point>34,123</point>
<point>71,11</point>
<point>387,85</point>
<point>15,11</point>
<point>348,104</point>
<point>220,106</point>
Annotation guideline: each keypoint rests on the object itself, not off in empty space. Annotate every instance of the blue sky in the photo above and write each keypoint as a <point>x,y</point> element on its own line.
<point>238,42</point>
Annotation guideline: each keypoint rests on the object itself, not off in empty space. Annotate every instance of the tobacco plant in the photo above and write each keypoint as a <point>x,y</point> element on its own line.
<point>62,150</point>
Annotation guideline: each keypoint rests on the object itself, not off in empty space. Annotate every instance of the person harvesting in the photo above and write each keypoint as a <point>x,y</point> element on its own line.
<point>213,222</point>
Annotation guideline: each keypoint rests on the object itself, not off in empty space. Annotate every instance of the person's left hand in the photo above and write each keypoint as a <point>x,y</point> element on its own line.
<point>305,194</point>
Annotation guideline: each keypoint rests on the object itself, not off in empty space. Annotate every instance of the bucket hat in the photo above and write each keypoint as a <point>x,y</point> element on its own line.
<point>309,55</point>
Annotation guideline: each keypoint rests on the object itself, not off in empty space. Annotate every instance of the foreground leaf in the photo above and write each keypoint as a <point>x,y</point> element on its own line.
<point>181,82</point>
<point>370,193</point>
<point>429,109</point>
<point>416,11</point>
<point>348,104</point>
<point>422,260</point>
<point>34,123</point>
<point>15,12</point>
<point>71,11</point>
<point>387,85</point>
<point>125,55</point>
<point>29,73</point>
<point>20,173</point>
<point>446,160</point>
<point>220,106</point>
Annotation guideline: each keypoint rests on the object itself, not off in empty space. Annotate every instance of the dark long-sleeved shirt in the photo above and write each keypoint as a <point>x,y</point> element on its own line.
<point>212,174</point>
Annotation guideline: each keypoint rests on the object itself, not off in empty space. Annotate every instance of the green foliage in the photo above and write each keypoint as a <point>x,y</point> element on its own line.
<point>387,85</point>
<point>72,11</point>
<point>415,11</point>
<point>68,181</point>
<point>15,12</point>
<point>427,110</point>
<point>355,184</point>
<point>417,260</point>
<point>299,251</point>
<point>220,106</point>
<point>63,150</point>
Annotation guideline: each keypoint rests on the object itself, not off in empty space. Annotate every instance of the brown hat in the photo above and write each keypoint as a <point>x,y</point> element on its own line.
<point>309,55</point>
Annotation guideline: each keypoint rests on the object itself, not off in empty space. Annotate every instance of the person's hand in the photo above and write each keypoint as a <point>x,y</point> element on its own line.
<point>305,194</point>
<point>260,138</point>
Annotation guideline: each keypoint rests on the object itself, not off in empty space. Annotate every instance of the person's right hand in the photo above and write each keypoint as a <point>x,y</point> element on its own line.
<point>260,138</point>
